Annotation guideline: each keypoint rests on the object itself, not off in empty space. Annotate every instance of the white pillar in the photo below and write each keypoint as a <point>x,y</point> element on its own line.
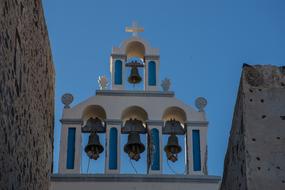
<point>155,125</point>
<point>201,126</point>
<point>109,125</point>
<point>75,126</point>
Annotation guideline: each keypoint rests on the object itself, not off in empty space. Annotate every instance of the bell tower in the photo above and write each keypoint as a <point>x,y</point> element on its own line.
<point>135,54</point>
<point>122,138</point>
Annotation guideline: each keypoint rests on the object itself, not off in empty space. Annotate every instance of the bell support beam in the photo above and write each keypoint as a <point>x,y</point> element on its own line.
<point>196,143</point>
<point>155,147</point>
<point>113,141</point>
<point>70,147</point>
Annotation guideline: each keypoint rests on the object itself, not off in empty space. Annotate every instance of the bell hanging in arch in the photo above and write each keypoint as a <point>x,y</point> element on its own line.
<point>93,149</point>
<point>134,146</point>
<point>134,77</point>
<point>172,148</point>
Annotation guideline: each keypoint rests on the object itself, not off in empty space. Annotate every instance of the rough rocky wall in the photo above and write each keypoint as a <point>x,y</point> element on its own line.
<point>255,157</point>
<point>26,97</point>
<point>235,157</point>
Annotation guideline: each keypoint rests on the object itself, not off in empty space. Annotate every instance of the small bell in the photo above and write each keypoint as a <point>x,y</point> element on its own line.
<point>172,148</point>
<point>134,77</point>
<point>134,146</point>
<point>93,148</point>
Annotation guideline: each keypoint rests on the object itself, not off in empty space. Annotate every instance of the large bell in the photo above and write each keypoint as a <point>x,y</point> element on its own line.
<point>134,146</point>
<point>172,148</point>
<point>93,148</point>
<point>134,77</point>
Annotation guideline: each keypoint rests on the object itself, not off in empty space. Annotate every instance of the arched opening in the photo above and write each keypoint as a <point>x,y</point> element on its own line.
<point>135,52</point>
<point>196,150</point>
<point>118,78</point>
<point>134,141</point>
<point>134,112</point>
<point>155,149</point>
<point>135,49</point>
<point>113,139</point>
<point>174,140</point>
<point>137,72</point>
<point>174,113</point>
<point>152,73</point>
<point>71,134</point>
<point>94,113</point>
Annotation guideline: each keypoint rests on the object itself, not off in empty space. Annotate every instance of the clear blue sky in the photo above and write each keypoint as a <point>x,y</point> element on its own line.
<point>203,44</point>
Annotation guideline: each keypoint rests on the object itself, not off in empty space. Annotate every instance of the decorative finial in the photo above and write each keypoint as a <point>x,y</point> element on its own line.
<point>67,99</point>
<point>165,84</point>
<point>103,82</point>
<point>135,29</point>
<point>200,103</point>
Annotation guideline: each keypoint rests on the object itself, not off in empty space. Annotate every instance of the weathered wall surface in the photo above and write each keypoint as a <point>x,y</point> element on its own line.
<point>26,97</point>
<point>255,157</point>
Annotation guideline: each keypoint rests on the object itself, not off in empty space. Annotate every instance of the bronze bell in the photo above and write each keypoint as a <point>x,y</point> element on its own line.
<point>134,146</point>
<point>172,148</point>
<point>173,123</point>
<point>134,77</point>
<point>95,125</point>
<point>93,148</point>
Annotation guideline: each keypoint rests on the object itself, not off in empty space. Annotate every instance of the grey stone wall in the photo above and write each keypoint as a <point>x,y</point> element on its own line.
<point>26,97</point>
<point>255,159</point>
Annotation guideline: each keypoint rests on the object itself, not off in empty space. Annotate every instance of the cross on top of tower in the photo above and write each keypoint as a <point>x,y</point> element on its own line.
<point>135,29</point>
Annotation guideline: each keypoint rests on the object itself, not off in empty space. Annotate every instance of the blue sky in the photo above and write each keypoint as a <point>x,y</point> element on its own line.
<point>203,44</point>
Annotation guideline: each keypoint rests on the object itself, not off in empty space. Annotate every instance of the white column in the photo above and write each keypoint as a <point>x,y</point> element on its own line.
<point>202,127</point>
<point>66,125</point>
<point>146,74</point>
<point>156,125</point>
<point>112,124</point>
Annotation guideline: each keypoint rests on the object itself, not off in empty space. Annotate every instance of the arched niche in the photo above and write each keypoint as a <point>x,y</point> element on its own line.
<point>155,153</point>
<point>152,73</point>
<point>134,112</point>
<point>118,72</point>
<point>174,113</point>
<point>135,49</point>
<point>93,111</point>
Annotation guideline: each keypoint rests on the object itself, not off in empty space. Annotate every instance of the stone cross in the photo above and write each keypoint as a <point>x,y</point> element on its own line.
<point>135,29</point>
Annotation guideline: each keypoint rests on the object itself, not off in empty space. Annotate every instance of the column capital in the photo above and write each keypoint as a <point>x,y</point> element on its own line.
<point>197,123</point>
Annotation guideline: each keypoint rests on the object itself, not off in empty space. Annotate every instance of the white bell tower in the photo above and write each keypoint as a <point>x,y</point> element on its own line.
<point>135,48</point>
<point>150,127</point>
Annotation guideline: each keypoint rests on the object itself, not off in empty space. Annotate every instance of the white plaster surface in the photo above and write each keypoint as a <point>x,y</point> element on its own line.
<point>131,182</point>
<point>114,106</point>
